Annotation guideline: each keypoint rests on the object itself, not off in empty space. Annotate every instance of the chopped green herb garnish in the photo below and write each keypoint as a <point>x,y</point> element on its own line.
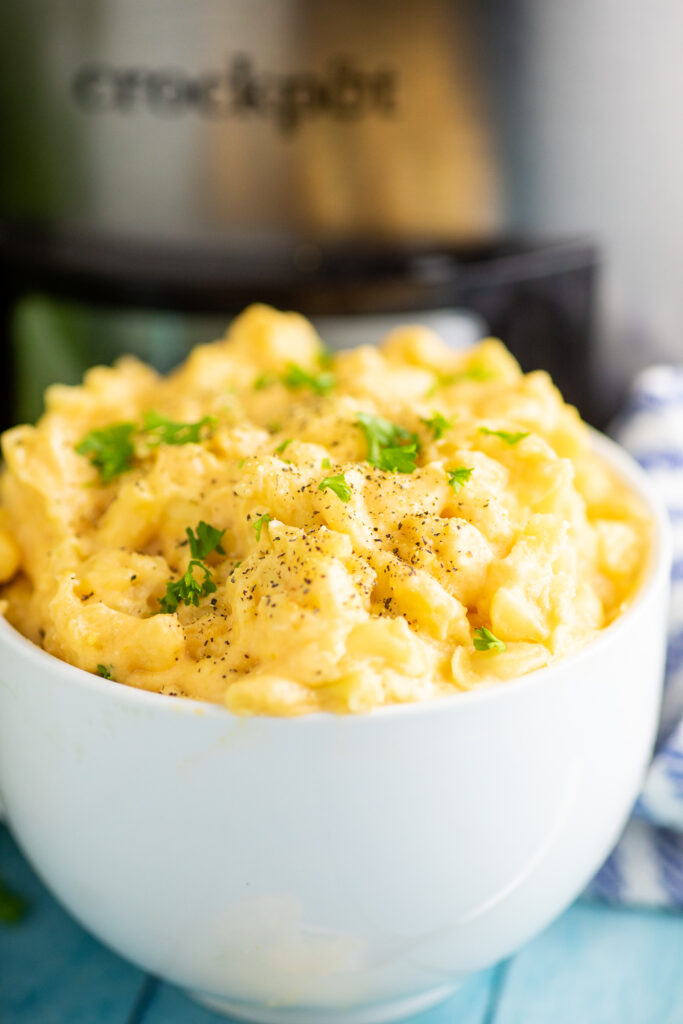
<point>325,356</point>
<point>296,377</point>
<point>282,447</point>
<point>161,430</point>
<point>236,566</point>
<point>264,380</point>
<point>105,672</point>
<point>457,478</point>
<point>399,460</point>
<point>259,523</point>
<point>438,425</point>
<point>337,484</point>
<point>390,447</point>
<point>509,439</point>
<point>326,464</point>
<point>110,449</point>
<point>188,588</point>
<point>474,372</point>
<point>484,640</point>
<point>380,433</point>
<point>206,540</point>
<point>12,906</point>
<point>240,464</point>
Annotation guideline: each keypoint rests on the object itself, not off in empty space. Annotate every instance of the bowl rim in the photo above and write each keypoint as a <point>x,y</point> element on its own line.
<point>655,573</point>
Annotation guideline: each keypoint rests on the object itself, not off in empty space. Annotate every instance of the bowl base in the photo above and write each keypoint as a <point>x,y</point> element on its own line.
<point>377,1013</point>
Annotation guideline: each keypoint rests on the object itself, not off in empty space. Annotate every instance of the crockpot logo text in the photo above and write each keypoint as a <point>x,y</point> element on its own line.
<point>344,91</point>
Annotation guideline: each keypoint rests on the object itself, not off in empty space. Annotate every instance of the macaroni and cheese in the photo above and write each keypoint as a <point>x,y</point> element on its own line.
<point>283,531</point>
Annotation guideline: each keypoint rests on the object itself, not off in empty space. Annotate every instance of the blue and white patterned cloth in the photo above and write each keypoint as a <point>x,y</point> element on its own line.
<point>646,867</point>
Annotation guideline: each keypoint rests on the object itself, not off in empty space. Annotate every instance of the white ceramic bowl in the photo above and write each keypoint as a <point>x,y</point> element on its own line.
<point>342,869</point>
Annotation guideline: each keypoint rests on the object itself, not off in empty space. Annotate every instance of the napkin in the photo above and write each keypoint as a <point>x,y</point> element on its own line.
<point>646,867</point>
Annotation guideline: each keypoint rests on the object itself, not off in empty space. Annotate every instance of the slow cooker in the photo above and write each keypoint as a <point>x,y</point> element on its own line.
<point>166,163</point>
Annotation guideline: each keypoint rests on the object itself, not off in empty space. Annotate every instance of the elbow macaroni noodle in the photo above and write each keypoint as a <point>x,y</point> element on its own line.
<point>367,592</point>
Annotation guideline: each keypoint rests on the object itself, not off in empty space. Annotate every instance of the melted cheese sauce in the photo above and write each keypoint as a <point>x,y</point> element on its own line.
<point>319,603</point>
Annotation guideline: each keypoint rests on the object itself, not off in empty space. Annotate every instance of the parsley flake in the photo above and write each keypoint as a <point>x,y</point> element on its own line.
<point>296,377</point>
<point>337,484</point>
<point>475,372</point>
<point>326,464</point>
<point>283,447</point>
<point>264,380</point>
<point>484,640</point>
<point>325,356</point>
<point>438,425</point>
<point>110,449</point>
<point>458,477</point>
<point>390,447</point>
<point>509,439</point>
<point>161,430</point>
<point>206,540</point>
<point>399,460</point>
<point>259,523</point>
<point>188,588</point>
<point>105,672</point>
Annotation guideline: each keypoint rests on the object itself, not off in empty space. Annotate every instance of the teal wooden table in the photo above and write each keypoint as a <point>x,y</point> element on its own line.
<point>595,965</point>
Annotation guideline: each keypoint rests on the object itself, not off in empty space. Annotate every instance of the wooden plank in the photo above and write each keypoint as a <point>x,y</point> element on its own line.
<point>470,1005</point>
<point>598,965</point>
<point>51,971</point>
